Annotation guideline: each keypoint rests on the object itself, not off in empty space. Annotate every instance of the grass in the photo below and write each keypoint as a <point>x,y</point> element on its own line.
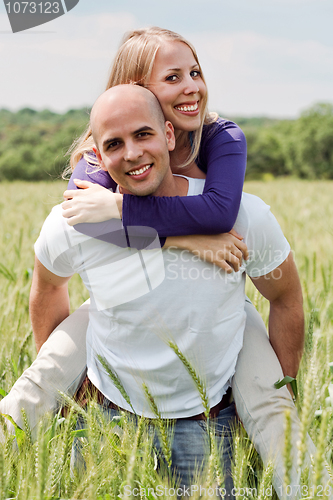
<point>41,470</point>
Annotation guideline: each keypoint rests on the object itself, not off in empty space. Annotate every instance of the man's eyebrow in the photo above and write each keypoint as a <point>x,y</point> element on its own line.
<point>107,141</point>
<point>143,129</point>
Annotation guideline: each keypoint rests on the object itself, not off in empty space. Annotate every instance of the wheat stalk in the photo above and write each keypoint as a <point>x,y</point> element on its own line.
<point>195,377</point>
<point>116,380</point>
<point>319,458</point>
<point>41,463</point>
<point>287,450</point>
<point>161,425</point>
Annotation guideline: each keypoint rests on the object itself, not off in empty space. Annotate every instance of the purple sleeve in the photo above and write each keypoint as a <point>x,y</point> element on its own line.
<point>86,172</point>
<point>223,156</point>
<point>112,231</point>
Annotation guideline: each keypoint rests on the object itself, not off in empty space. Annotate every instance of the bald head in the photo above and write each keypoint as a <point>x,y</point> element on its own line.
<point>120,98</point>
<point>132,139</point>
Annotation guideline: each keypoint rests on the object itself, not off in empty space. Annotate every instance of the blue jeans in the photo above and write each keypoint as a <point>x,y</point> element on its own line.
<point>189,447</point>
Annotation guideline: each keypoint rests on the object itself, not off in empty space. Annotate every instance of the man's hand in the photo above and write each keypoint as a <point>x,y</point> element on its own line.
<point>286,318</point>
<point>225,250</point>
<point>49,302</point>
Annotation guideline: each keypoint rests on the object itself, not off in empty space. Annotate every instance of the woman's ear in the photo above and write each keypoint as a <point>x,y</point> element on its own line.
<point>170,136</point>
<point>99,158</point>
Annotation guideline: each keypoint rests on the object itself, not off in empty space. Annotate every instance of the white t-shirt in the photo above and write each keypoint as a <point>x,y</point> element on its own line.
<point>142,299</point>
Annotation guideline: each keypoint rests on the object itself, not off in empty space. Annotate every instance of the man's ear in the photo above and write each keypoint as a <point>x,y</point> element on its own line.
<point>170,136</point>
<point>99,158</point>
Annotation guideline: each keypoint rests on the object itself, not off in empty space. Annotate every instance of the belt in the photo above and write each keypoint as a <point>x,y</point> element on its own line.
<point>215,410</point>
<point>213,413</point>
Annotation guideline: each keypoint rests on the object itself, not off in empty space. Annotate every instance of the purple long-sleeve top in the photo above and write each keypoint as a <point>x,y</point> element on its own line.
<point>222,156</point>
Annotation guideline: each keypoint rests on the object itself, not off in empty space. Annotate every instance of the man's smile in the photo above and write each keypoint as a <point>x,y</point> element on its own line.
<point>139,171</point>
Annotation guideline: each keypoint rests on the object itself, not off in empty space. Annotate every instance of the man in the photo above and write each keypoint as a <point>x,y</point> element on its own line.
<point>199,310</point>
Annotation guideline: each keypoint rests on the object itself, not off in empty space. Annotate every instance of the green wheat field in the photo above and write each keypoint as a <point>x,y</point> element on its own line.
<point>125,456</point>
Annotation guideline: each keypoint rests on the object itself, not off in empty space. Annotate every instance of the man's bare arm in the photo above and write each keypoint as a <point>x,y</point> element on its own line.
<point>286,319</point>
<point>49,302</point>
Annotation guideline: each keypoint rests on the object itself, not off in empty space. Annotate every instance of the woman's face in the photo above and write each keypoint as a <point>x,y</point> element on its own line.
<point>176,81</point>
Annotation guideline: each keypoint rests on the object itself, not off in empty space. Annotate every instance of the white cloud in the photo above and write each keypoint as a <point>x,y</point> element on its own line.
<point>247,73</point>
<point>295,2</point>
<point>63,69</point>
<point>254,74</point>
<point>85,37</point>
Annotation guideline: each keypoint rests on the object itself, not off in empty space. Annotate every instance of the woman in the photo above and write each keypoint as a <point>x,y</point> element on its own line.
<point>144,58</point>
<point>183,98</point>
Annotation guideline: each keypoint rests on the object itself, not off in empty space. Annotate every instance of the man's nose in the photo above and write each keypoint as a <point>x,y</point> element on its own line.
<point>132,152</point>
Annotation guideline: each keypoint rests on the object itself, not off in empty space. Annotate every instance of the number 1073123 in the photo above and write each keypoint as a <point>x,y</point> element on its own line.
<point>33,7</point>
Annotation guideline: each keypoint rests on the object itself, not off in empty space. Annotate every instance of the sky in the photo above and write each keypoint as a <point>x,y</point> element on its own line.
<point>260,58</point>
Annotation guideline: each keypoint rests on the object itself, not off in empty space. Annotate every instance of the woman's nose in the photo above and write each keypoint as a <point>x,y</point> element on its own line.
<point>190,86</point>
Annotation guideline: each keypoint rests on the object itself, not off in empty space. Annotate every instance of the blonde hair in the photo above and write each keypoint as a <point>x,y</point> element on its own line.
<point>134,63</point>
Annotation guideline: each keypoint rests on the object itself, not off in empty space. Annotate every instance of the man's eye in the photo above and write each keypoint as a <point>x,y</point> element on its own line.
<point>143,134</point>
<point>113,144</point>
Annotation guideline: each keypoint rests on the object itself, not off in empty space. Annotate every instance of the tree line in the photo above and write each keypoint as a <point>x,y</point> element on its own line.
<point>33,144</point>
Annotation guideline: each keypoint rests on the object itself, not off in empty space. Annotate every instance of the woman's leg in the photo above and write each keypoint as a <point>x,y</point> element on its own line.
<point>261,407</point>
<point>59,366</point>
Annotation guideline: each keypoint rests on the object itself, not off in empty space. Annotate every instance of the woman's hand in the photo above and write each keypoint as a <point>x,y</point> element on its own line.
<point>226,250</point>
<point>92,203</point>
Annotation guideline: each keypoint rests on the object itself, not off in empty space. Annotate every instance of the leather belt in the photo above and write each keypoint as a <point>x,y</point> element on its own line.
<point>214,411</point>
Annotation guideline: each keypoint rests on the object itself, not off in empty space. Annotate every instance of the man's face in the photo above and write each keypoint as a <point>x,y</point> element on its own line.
<point>133,146</point>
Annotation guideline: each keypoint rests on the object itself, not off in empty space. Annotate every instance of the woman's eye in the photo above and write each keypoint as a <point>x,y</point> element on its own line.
<point>195,73</point>
<point>172,78</point>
